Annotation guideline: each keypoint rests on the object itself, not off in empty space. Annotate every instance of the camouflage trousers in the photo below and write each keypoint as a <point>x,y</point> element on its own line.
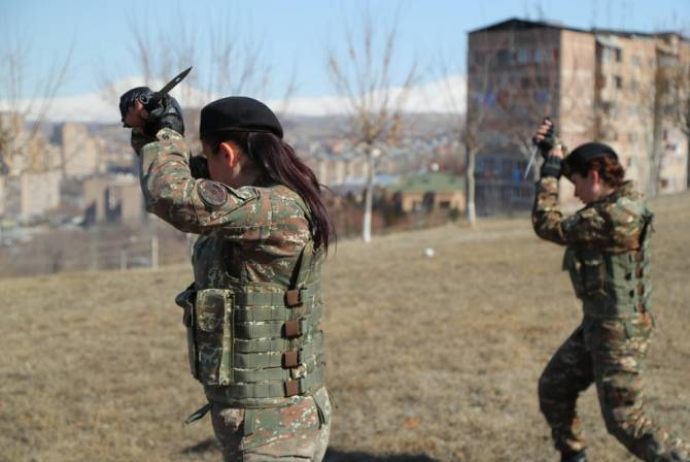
<point>609,353</point>
<point>295,433</point>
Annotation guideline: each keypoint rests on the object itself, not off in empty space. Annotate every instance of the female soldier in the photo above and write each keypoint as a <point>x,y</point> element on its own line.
<point>608,259</point>
<point>253,311</point>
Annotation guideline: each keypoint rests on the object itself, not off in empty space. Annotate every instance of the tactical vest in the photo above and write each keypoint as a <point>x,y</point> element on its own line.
<point>252,344</point>
<point>613,285</point>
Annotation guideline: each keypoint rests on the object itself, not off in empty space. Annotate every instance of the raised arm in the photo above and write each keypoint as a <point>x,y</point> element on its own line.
<point>191,205</point>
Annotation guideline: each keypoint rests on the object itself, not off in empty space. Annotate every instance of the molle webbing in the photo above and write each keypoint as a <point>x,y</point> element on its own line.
<point>277,347</point>
<point>275,359</point>
<point>289,329</point>
<point>269,306</point>
<point>234,392</point>
<point>628,282</point>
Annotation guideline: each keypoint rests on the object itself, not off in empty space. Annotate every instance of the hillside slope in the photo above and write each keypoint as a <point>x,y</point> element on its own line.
<point>432,359</point>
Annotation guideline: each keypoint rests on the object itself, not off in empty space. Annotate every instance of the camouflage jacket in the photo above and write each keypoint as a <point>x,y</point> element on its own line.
<point>612,224</point>
<point>250,234</point>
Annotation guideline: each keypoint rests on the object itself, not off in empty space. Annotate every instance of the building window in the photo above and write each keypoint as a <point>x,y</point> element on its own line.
<point>619,81</point>
<point>506,167</point>
<point>523,56</point>
<point>478,57</point>
<point>538,56</point>
<point>543,81</point>
<point>619,55</point>
<point>503,57</point>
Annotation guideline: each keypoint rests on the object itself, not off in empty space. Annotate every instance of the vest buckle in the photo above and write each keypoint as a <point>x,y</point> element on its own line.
<point>293,298</point>
<point>292,388</point>
<point>293,328</point>
<point>291,359</point>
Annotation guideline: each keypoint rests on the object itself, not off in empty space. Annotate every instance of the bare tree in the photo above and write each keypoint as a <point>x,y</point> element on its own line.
<point>21,104</point>
<point>672,105</point>
<point>362,73</point>
<point>467,112</point>
<point>228,60</point>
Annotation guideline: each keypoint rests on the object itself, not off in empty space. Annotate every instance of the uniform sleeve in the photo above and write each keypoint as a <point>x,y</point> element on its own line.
<point>191,205</point>
<point>604,225</point>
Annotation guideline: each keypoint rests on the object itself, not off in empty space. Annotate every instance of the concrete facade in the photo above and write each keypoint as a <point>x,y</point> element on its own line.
<point>39,193</point>
<point>113,200</point>
<point>80,153</point>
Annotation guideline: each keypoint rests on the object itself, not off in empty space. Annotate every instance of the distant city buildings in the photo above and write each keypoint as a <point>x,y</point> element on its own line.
<point>604,85</point>
<point>37,170</point>
<point>112,199</point>
<point>80,153</point>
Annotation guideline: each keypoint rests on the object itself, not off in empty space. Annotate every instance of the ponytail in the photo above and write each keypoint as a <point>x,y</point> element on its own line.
<point>280,163</point>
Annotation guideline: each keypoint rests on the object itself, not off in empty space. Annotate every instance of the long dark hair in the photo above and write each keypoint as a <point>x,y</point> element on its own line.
<point>280,163</point>
<point>609,169</point>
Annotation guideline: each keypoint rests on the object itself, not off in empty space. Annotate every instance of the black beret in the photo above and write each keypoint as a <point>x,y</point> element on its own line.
<point>238,113</point>
<point>584,153</point>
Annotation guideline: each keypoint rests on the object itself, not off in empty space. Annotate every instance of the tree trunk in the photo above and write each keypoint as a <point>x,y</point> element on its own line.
<point>469,179</point>
<point>368,196</point>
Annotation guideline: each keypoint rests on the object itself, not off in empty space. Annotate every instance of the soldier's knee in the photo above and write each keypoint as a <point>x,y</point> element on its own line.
<point>618,425</point>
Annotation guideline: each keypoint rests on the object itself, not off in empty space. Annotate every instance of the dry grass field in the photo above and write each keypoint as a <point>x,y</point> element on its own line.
<point>429,359</point>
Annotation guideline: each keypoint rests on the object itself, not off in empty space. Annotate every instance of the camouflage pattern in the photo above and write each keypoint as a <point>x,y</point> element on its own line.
<point>252,240</point>
<point>609,348</point>
<point>297,432</point>
<point>613,224</point>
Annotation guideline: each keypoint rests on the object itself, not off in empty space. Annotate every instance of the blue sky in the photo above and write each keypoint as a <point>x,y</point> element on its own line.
<point>292,31</point>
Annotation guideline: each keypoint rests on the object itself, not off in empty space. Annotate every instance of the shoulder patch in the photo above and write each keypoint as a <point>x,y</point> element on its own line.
<point>212,193</point>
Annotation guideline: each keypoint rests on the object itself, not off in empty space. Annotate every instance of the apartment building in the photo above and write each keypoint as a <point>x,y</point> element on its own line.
<point>80,152</point>
<point>595,84</point>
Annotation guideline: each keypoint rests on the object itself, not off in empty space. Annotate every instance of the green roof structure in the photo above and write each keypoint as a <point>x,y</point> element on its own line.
<point>436,182</point>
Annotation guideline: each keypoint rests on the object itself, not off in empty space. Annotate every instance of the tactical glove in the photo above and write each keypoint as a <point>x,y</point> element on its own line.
<point>549,140</point>
<point>552,167</point>
<point>163,110</point>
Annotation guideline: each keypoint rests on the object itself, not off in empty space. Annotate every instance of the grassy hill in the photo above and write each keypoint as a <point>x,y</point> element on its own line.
<point>429,359</point>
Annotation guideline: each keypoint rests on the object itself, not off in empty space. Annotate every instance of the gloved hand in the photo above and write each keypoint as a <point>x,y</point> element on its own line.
<point>163,112</point>
<point>148,111</point>
<point>545,138</point>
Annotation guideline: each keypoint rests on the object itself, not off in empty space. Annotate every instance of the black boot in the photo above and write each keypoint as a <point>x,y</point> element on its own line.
<point>574,457</point>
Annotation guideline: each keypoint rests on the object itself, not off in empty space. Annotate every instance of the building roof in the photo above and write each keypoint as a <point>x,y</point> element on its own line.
<point>432,182</point>
<point>523,24</point>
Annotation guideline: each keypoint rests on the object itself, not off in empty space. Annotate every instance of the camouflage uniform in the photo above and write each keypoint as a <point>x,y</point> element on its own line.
<point>253,312</point>
<point>608,260</point>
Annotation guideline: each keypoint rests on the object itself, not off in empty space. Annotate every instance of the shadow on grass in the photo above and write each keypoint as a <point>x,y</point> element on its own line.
<point>334,455</point>
<point>208,444</point>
